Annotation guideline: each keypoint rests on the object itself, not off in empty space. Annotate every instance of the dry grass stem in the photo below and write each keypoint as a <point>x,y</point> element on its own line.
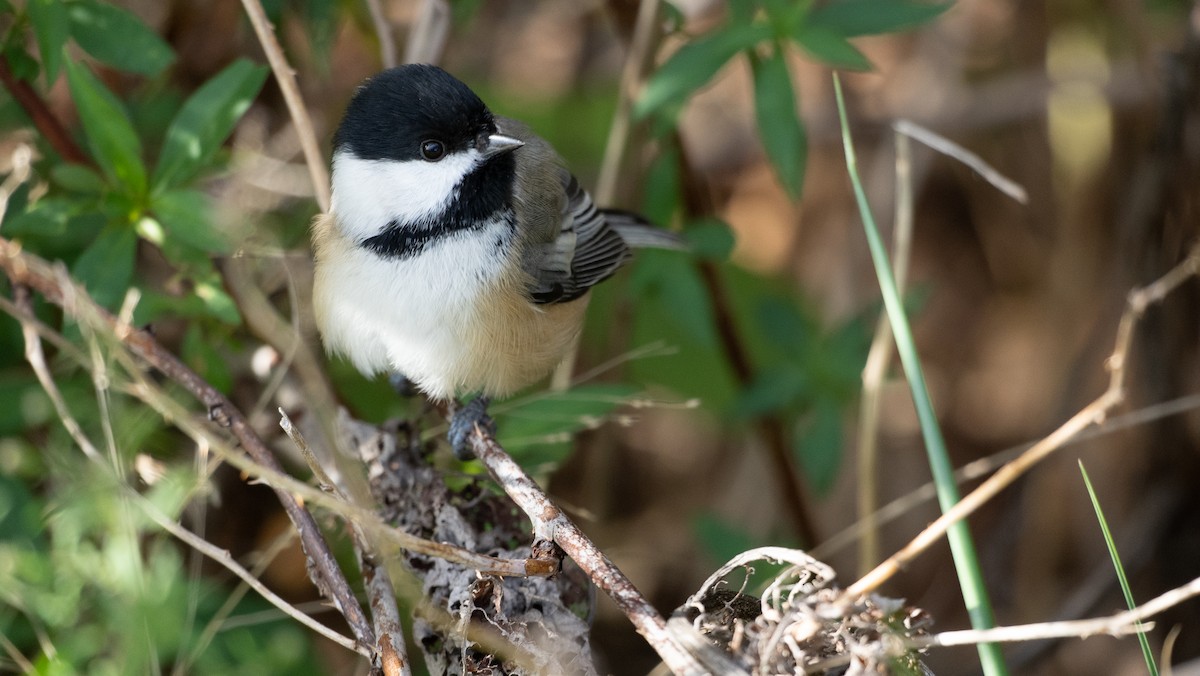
<point>951,149</point>
<point>286,77</point>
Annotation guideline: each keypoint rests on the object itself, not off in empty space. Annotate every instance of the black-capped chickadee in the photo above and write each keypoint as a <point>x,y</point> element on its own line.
<point>458,250</point>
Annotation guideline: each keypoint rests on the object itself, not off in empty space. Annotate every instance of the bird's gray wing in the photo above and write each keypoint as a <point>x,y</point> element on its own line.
<point>587,251</point>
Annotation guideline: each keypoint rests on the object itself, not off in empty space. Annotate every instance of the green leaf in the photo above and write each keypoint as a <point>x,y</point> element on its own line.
<point>830,46</point>
<point>711,239</point>
<point>205,120</point>
<point>851,18</point>
<point>695,64</point>
<point>77,178</point>
<point>818,445</point>
<point>106,267</point>
<point>118,38</point>
<point>216,301</point>
<point>772,390</point>
<point>49,19</point>
<point>676,281</point>
<point>204,359</point>
<point>186,219</point>
<point>782,134</point>
<point>540,431</point>
<point>110,135</point>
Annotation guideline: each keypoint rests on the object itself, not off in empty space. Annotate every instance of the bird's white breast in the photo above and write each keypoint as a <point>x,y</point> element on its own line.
<point>416,315</point>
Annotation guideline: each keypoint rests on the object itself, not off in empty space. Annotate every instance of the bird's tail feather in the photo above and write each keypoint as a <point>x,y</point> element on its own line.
<point>640,234</point>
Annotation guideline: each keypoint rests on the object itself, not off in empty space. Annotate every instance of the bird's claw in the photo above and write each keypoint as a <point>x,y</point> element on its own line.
<point>462,424</point>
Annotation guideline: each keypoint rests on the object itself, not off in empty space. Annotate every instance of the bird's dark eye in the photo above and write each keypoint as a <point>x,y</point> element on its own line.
<point>433,150</point>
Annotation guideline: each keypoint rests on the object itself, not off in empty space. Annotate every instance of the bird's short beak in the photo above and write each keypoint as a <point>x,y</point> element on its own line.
<point>498,144</point>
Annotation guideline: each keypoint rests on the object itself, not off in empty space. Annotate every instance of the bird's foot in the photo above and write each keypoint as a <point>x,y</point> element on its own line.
<point>462,424</point>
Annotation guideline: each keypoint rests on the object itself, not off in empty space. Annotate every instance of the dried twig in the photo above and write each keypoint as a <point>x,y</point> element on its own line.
<point>383,29</point>
<point>224,558</point>
<point>390,647</point>
<point>286,78</point>
<point>27,269</point>
<point>1120,624</point>
<point>552,525</point>
<point>1094,413</point>
<point>951,149</point>
<point>427,37</point>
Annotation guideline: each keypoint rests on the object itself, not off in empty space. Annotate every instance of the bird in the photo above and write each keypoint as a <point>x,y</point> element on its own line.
<point>458,250</point>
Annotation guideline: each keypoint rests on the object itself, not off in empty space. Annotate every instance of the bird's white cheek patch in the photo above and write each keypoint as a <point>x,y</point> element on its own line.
<point>370,194</point>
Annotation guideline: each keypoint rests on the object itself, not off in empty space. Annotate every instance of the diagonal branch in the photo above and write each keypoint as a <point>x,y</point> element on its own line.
<point>43,118</point>
<point>550,523</point>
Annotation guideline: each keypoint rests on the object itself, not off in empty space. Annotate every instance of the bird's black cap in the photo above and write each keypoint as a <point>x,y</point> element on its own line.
<point>394,111</point>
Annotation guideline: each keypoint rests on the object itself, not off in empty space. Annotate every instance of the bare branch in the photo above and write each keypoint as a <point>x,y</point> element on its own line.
<point>552,525</point>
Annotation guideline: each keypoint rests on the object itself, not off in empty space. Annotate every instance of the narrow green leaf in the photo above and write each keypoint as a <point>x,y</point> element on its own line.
<point>110,135</point>
<point>49,19</point>
<point>118,38</point>
<point>77,178</point>
<point>1122,578</point>
<point>186,219</point>
<point>106,267</point>
<point>830,46</point>
<point>851,18</point>
<point>962,546</point>
<point>539,430</point>
<point>783,136</point>
<point>205,120</point>
<point>695,64</point>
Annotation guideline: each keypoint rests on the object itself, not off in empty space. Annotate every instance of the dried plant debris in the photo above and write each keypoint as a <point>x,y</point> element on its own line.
<point>510,625</point>
<point>799,625</point>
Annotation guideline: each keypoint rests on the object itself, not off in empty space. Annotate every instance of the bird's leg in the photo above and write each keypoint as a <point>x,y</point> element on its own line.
<point>463,420</point>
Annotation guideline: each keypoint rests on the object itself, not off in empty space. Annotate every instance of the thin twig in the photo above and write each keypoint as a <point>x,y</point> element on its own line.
<point>390,648</point>
<point>24,268</point>
<point>951,149</point>
<point>37,360</point>
<point>427,37</point>
<point>383,30</point>
<point>286,77</point>
<point>223,557</point>
<point>1094,413</point>
<point>1120,624</point>
<point>551,524</point>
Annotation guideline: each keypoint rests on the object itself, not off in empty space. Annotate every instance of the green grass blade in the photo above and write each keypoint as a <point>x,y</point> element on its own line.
<point>966,563</point>
<point>1151,666</point>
